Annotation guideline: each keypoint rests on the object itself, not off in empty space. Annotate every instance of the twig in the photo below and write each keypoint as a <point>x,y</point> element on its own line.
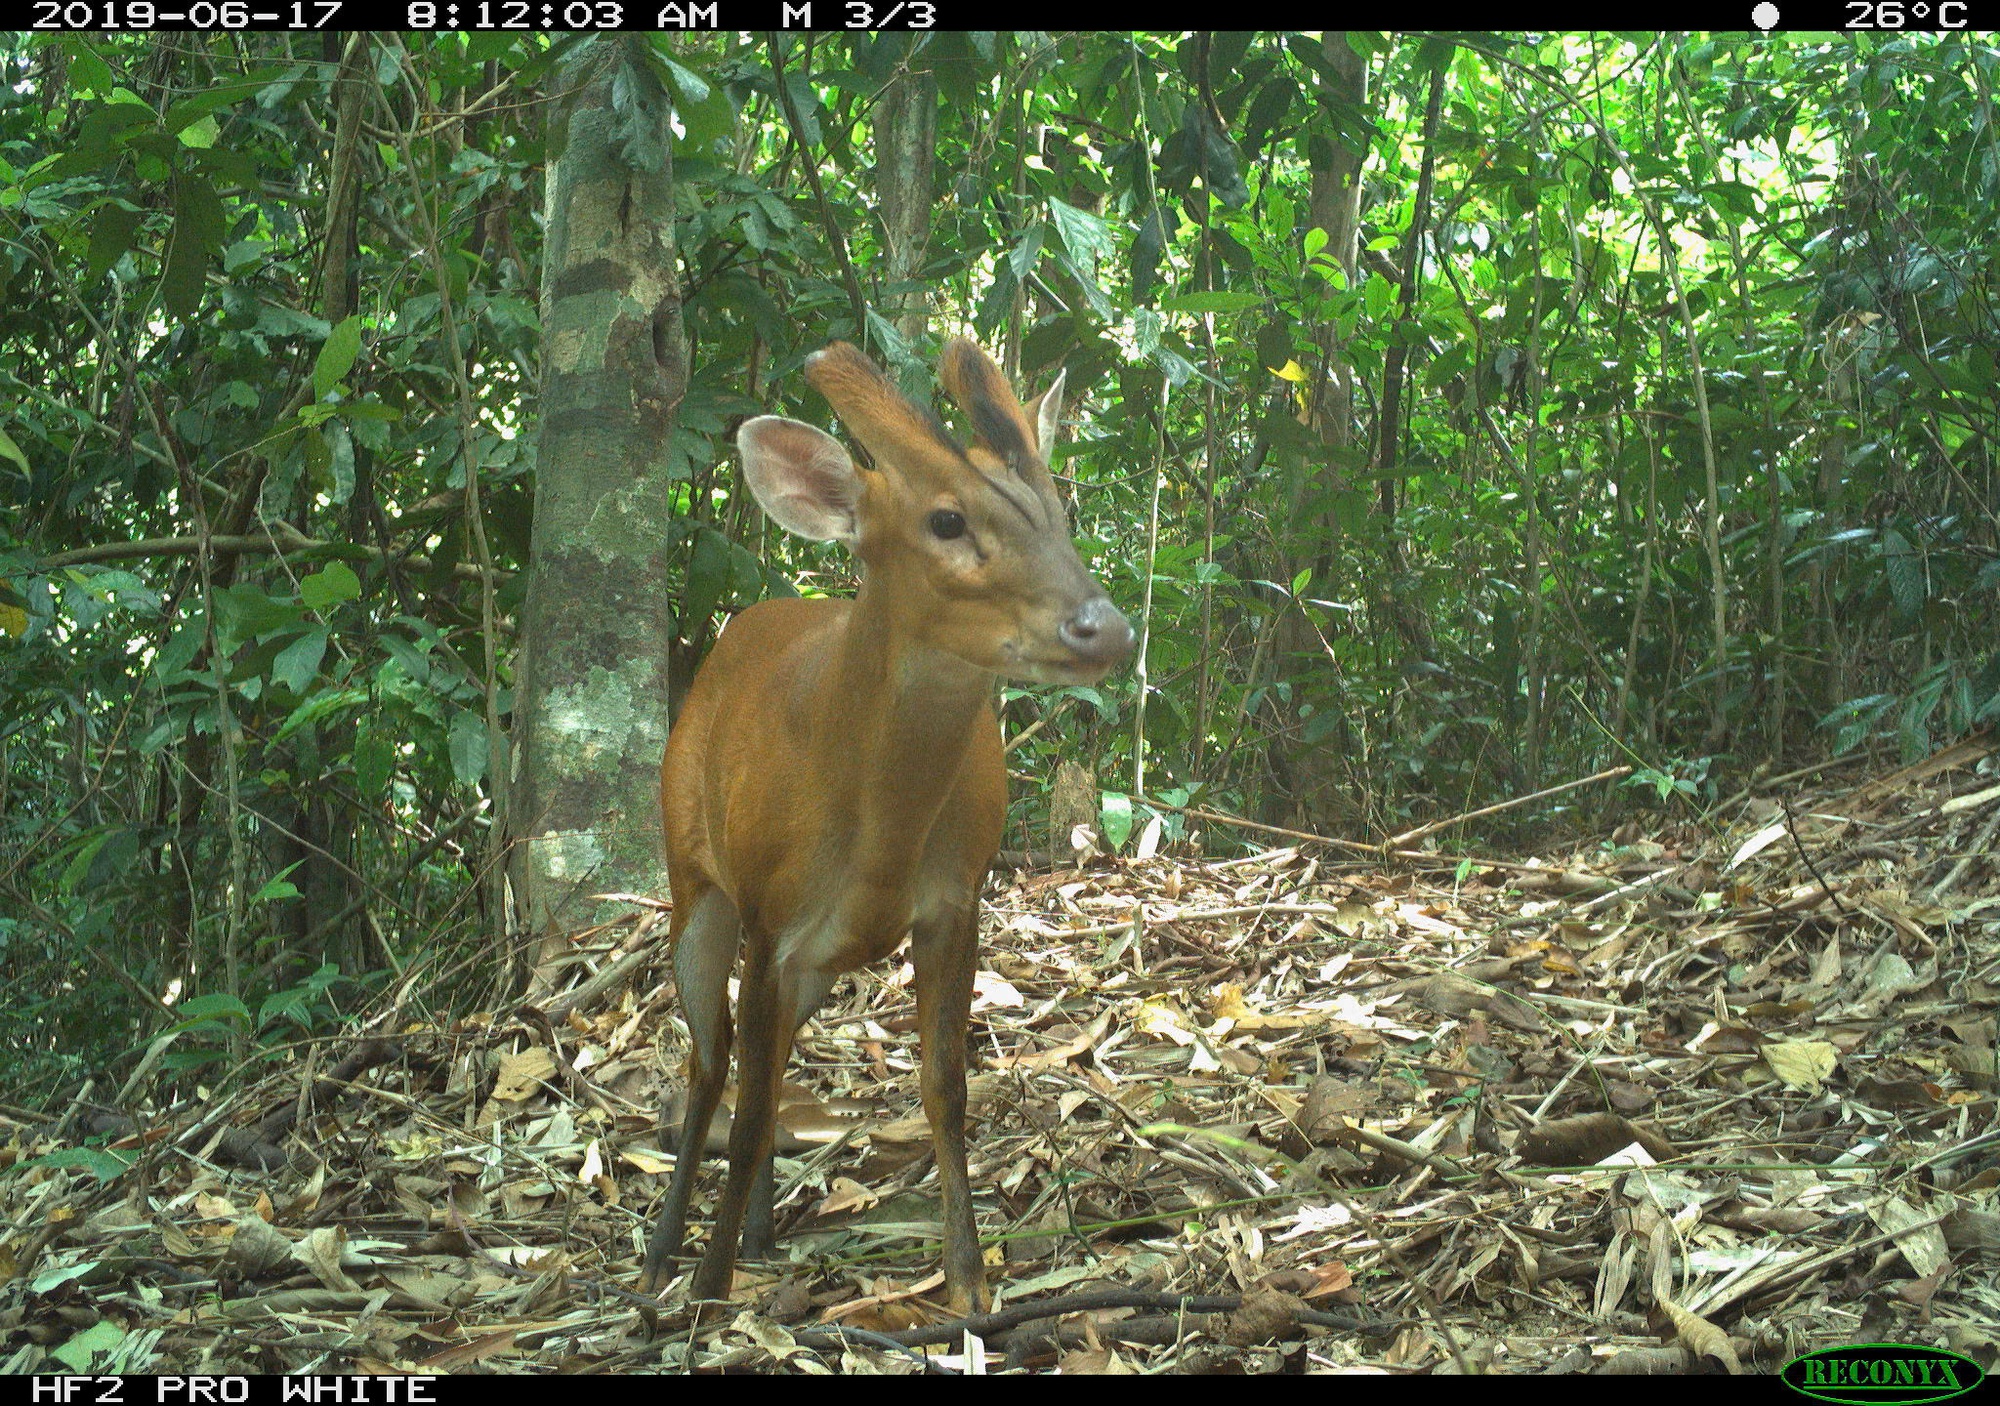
<point>1806,859</point>
<point>1422,830</point>
<point>283,538</point>
<point>1440,861</point>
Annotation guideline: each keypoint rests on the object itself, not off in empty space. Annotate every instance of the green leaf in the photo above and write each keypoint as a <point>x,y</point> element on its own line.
<point>1315,240</point>
<point>197,234</point>
<point>11,450</point>
<point>1267,111</point>
<point>111,233</point>
<point>73,873</point>
<point>1023,255</point>
<point>339,461</point>
<point>415,666</point>
<point>707,578</point>
<point>481,47</point>
<point>1087,238</point>
<point>283,1003</point>
<point>323,702</point>
<point>1906,574</point>
<point>330,586</point>
<point>204,1008</point>
<point>101,1163</point>
<point>185,112</point>
<point>689,87</point>
<point>89,72</point>
<point>1379,296</point>
<point>180,647</point>
<point>1147,246</point>
<point>1114,816</point>
<point>1212,302</point>
<point>374,757</point>
<point>202,132</point>
<point>336,355</point>
<point>245,611</point>
<point>468,746</point>
<point>81,1352</point>
<point>298,663</point>
<point>277,887</point>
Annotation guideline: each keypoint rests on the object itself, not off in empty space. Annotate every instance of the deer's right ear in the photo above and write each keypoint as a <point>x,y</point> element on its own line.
<point>803,478</point>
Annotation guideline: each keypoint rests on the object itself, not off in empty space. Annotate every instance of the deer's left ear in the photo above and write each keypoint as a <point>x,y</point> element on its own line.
<point>1045,414</point>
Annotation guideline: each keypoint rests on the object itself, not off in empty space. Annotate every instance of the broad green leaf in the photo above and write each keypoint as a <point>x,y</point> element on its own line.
<point>211,1005</point>
<point>89,72</point>
<point>1906,574</point>
<point>278,886</point>
<point>1378,296</point>
<point>1087,238</point>
<point>11,450</point>
<point>81,1352</point>
<point>322,703</point>
<point>111,230</point>
<point>298,663</point>
<point>329,586</point>
<point>1212,302</point>
<point>707,578</point>
<point>197,234</point>
<point>415,665</point>
<point>202,132</point>
<point>339,461</point>
<point>245,611</point>
<point>374,757</point>
<point>483,46</point>
<point>467,741</point>
<point>689,87</point>
<point>1147,246</point>
<point>79,865</point>
<point>337,355</point>
<point>1114,816</point>
<point>1023,255</point>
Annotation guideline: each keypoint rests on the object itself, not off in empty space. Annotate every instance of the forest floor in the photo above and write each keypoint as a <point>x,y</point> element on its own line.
<point>1690,1099</point>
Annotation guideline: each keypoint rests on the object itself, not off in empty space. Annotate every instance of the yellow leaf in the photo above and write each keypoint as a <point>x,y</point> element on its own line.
<point>1290,371</point>
<point>1800,1064</point>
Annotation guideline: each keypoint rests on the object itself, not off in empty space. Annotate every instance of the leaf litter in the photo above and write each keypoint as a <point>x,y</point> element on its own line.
<point>1692,1097</point>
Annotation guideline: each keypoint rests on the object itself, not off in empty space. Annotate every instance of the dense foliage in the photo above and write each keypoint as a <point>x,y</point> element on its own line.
<point>1636,406</point>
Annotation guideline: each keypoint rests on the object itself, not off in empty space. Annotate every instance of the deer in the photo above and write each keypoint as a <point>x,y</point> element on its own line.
<point>835,783</point>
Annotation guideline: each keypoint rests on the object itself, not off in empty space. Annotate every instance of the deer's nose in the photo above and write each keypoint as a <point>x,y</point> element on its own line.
<point>1098,631</point>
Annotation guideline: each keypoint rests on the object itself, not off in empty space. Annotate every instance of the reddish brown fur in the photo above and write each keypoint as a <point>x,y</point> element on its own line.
<point>835,779</point>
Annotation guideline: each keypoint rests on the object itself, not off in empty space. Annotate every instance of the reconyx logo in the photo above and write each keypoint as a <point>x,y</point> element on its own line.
<point>1874,1373</point>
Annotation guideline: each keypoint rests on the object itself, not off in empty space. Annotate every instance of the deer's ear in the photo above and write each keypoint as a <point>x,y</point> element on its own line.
<point>1045,414</point>
<point>802,477</point>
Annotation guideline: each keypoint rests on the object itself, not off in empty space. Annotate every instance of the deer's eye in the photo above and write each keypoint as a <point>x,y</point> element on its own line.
<point>947,524</point>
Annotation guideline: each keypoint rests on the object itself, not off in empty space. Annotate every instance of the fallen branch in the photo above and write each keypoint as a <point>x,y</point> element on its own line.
<point>1415,856</point>
<point>1422,830</point>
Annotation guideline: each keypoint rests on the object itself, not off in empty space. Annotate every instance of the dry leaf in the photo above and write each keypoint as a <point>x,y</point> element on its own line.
<point>1801,1064</point>
<point>522,1074</point>
<point>320,1252</point>
<point>256,1249</point>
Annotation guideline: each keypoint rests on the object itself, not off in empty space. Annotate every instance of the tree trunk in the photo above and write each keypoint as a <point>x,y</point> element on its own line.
<point>905,160</point>
<point>592,700</point>
<point>1311,773</point>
